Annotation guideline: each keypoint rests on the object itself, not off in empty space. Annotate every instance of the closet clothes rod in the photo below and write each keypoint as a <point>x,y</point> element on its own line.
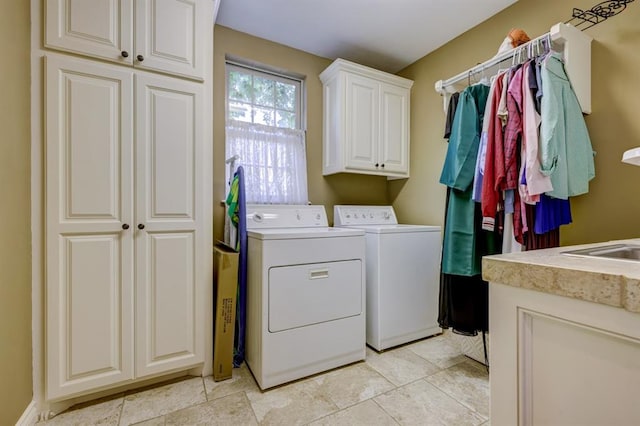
<point>574,45</point>
<point>510,55</point>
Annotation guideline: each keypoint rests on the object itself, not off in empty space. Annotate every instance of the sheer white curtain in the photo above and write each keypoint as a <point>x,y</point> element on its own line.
<point>274,161</point>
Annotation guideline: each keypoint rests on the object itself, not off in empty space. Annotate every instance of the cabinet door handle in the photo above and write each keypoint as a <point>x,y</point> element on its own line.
<point>377,165</point>
<point>140,58</point>
<point>124,54</point>
<point>125,226</point>
<point>382,166</point>
<point>141,226</point>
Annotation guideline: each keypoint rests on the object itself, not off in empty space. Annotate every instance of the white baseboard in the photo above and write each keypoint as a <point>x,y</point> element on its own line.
<point>30,415</point>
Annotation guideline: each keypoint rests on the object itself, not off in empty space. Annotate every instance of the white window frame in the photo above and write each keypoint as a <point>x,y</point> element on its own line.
<point>266,72</point>
<point>256,69</point>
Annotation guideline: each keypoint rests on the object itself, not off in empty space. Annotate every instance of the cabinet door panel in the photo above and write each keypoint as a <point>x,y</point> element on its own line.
<point>591,380</point>
<point>170,300</point>
<point>361,123</point>
<point>91,297</point>
<point>171,155</point>
<point>88,198</point>
<point>394,129</point>
<point>168,35</point>
<point>100,28</point>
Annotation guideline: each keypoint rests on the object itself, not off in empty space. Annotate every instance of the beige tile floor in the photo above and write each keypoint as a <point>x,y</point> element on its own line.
<point>424,383</point>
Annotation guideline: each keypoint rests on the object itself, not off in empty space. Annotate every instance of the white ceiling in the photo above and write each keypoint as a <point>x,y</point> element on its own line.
<point>383,34</point>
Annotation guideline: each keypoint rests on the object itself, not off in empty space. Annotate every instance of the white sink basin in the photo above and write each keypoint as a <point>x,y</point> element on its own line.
<point>628,252</point>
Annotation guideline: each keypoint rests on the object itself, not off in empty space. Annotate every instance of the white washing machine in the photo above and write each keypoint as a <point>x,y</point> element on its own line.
<point>403,275</point>
<point>305,293</point>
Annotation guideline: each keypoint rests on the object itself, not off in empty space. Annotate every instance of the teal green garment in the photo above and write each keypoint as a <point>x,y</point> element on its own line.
<point>232,203</point>
<point>460,162</point>
<point>468,242</point>
<point>565,148</point>
<point>460,255</point>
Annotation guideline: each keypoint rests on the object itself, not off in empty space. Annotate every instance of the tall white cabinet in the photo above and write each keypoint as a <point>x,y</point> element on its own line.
<point>89,201</point>
<point>170,248</point>
<point>127,203</point>
<point>366,121</point>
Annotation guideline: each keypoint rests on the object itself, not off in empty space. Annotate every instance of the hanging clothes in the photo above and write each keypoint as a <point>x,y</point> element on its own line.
<point>532,181</point>
<point>535,241</point>
<point>538,75</point>
<point>509,242</point>
<point>462,152</point>
<point>451,111</point>
<point>501,109</point>
<point>531,151</point>
<point>464,304</point>
<point>551,213</point>
<point>513,131</point>
<point>236,203</point>
<point>494,162</point>
<point>565,147</point>
<point>459,254</point>
<point>463,293</point>
<point>482,149</point>
<point>232,211</point>
<point>464,300</point>
<point>512,148</point>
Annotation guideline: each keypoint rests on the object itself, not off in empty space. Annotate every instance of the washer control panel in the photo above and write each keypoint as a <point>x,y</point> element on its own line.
<point>364,215</point>
<point>262,216</point>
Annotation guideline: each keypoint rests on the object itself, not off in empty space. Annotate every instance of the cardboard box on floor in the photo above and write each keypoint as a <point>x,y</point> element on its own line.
<point>225,278</point>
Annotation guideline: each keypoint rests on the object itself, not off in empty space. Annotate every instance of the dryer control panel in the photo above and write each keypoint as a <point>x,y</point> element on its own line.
<point>364,215</point>
<point>263,216</point>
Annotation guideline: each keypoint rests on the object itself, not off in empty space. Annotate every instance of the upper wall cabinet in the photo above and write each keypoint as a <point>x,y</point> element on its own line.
<point>158,35</point>
<point>366,121</point>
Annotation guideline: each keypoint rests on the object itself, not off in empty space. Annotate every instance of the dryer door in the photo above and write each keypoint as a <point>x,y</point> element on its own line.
<point>303,295</point>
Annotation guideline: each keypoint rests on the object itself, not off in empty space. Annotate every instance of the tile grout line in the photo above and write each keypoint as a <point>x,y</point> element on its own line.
<point>246,397</point>
<point>447,394</point>
<point>204,386</point>
<point>456,399</point>
<point>385,411</point>
<point>121,408</point>
<point>408,348</point>
<point>484,419</point>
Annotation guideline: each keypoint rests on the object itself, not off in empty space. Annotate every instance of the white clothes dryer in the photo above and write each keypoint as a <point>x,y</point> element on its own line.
<point>402,274</point>
<point>305,293</point>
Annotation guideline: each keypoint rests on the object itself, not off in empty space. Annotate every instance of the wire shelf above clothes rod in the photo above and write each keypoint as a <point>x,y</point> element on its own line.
<point>571,42</point>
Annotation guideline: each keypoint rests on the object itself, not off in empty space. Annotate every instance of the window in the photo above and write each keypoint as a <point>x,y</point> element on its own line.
<point>257,97</point>
<point>264,132</point>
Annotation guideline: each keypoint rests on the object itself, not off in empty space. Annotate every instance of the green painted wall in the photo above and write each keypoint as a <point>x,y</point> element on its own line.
<point>15,218</point>
<point>611,209</point>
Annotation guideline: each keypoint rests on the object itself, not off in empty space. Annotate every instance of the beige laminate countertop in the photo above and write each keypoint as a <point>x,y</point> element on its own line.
<point>607,281</point>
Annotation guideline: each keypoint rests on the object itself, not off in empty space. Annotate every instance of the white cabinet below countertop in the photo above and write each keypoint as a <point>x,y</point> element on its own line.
<point>565,338</point>
<point>366,121</point>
